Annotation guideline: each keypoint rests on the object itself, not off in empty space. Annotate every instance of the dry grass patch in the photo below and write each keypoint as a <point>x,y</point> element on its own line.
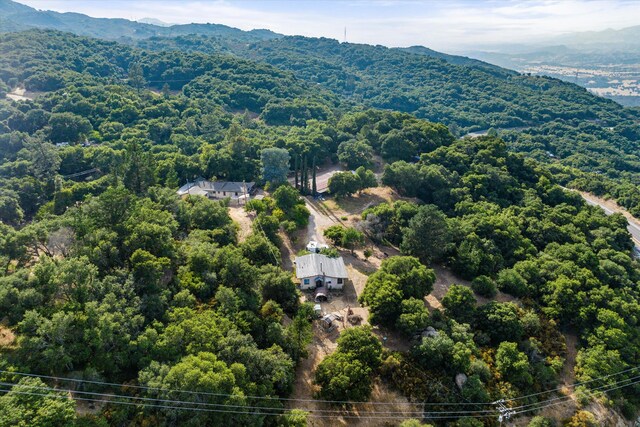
<point>445,278</point>
<point>357,203</point>
<point>7,337</point>
<point>241,217</point>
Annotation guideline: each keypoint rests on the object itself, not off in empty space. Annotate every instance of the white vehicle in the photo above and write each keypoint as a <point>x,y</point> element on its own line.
<point>315,247</point>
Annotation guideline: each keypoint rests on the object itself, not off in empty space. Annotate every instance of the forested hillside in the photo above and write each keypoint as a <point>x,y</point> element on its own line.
<point>554,121</point>
<point>557,121</point>
<point>112,287</point>
<point>594,141</point>
<point>18,17</point>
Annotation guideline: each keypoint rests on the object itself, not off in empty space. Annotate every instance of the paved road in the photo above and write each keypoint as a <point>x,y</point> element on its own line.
<point>633,228</point>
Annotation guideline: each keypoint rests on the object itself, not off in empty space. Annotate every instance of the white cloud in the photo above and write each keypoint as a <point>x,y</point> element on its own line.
<point>439,24</point>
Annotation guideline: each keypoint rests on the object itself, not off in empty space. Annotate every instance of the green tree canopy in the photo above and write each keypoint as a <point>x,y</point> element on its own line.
<point>275,165</point>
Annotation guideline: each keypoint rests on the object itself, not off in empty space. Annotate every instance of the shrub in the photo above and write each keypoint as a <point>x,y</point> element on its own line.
<point>511,282</point>
<point>484,286</point>
<point>459,303</point>
<point>582,419</point>
<point>540,421</point>
<point>330,252</point>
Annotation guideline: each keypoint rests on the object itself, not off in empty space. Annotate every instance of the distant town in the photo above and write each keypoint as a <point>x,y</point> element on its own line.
<point>614,81</point>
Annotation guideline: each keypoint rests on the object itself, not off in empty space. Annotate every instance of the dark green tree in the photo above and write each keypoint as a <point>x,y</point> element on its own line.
<point>459,303</point>
<point>275,165</point>
<point>427,236</point>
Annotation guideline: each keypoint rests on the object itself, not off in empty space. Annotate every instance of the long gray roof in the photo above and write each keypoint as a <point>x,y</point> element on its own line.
<point>318,265</point>
<point>226,185</point>
<point>203,187</point>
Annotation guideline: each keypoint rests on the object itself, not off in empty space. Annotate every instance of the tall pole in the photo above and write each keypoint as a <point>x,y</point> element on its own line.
<point>296,171</point>
<point>244,192</point>
<point>313,179</point>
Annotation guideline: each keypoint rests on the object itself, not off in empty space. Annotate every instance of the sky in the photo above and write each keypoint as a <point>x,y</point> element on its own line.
<point>450,26</point>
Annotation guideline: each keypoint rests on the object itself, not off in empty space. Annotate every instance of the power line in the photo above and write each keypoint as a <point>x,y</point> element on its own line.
<point>288,399</point>
<point>227,405</point>
<point>507,413</point>
<point>321,400</point>
<point>314,413</point>
<point>573,385</point>
<point>277,413</point>
<point>256,221</point>
<point>57,396</point>
<point>606,386</point>
<point>568,398</point>
<point>270,398</point>
<point>152,399</point>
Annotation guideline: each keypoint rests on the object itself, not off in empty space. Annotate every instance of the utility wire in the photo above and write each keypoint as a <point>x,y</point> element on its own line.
<point>269,243</point>
<point>226,405</point>
<point>606,386</point>
<point>568,398</point>
<point>313,413</point>
<point>288,399</point>
<point>573,385</point>
<point>58,396</point>
<point>313,400</point>
<point>112,395</point>
<point>590,390</point>
<point>319,400</point>
<point>278,413</point>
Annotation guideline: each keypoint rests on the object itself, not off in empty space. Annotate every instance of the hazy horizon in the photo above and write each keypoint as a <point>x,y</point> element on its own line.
<point>442,25</point>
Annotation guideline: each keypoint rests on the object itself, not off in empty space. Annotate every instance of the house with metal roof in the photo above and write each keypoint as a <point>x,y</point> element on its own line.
<point>317,270</point>
<point>217,189</point>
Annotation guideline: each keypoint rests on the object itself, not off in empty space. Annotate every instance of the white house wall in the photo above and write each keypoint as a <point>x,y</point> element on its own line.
<point>312,283</point>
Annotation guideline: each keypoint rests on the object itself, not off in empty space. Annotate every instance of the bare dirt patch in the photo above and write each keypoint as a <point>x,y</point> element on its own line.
<point>604,416</point>
<point>324,343</point>
<point>323,215</point>
<point>242,218</point>
<point>568,375</point>
<point>288,253</point>
<point>7,337</point>
<point>21,94</point>
<point>355,205</point>
<point>445,278</point>
<point>319,220</point>
<point>84,408</point>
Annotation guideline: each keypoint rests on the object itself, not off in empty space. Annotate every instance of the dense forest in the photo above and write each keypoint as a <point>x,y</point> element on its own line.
<point>593,139</point>
<point>115,287</point>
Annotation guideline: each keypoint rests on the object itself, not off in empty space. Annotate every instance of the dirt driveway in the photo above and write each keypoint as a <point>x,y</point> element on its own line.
<point>318,222</point>
<point>241,217</point>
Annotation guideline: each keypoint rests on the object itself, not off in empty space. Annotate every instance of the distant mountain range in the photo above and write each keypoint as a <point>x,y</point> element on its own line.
<point>605,62</point>
<point>154,21</point>
<point>588,59</point>
<point>602,41</point>
<point>592,48</point>
<point>15,17</point>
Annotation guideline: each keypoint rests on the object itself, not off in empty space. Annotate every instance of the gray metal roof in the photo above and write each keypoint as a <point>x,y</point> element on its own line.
<point>203,187</point>
<point>318,265</point>
<point>230,186</point>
